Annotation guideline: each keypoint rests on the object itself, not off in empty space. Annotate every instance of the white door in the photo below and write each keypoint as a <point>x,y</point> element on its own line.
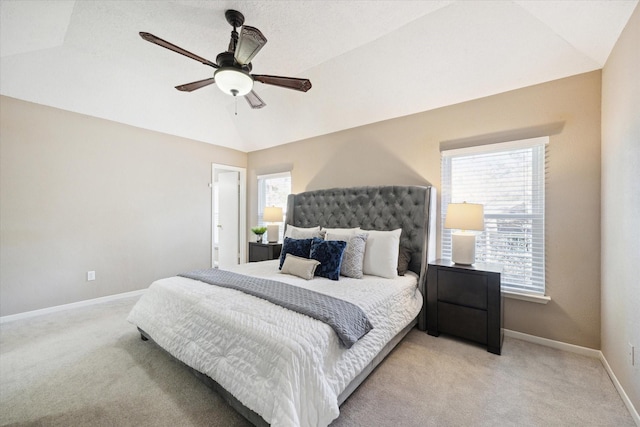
<point>228,219</point>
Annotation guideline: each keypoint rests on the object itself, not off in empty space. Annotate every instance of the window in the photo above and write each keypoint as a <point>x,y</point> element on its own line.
<point>273,190</point>
<point>509,180</point>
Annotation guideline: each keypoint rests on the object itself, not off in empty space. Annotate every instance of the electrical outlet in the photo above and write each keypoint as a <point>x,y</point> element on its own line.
<point>91,275</point>
<point>632,355</point>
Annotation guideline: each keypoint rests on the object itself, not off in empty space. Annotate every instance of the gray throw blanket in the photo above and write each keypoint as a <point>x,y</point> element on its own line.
<point>347,319</point>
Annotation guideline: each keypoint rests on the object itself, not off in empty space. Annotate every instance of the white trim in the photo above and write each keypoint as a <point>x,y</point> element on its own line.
<point>621,392</point>
<point>585,351</point>
<point>57,308</point>
<point>242,195</point>
<point>539,299</point>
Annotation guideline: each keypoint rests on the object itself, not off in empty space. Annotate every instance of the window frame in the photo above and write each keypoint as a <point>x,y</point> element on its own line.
<point>534,292</point>
<point>262,197</point>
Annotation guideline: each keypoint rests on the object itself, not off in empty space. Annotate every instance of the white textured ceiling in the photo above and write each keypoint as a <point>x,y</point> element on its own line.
<point>367,60</point>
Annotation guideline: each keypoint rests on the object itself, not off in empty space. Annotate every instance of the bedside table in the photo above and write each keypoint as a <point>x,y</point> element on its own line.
<point>465,301</point>
<point>264,251</point>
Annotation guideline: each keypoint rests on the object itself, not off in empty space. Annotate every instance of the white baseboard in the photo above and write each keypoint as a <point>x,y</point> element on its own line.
<point>585,351</point>
<point>28,314</point>
<point>621,392</point>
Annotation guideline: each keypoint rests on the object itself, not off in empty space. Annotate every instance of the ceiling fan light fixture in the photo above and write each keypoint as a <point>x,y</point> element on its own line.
<point>233,81</point>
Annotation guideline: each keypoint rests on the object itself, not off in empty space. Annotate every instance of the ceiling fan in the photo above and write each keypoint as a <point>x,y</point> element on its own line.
<point>233,67</point>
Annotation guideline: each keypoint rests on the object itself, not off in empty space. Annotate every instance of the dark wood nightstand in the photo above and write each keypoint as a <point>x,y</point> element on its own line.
<point>264,251</point>
<point>465,301</point>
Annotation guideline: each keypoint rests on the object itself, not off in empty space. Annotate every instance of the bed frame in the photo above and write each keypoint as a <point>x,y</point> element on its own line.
<point>411,208</point>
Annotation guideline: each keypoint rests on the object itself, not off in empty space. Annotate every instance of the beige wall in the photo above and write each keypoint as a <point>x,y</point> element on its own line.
<point>621,208</point>
<point>79,193</point>
<point>406,151</point>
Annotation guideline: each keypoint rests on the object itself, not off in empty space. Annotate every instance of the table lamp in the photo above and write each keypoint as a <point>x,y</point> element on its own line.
<point>464,217</point>
<point>272,214</point>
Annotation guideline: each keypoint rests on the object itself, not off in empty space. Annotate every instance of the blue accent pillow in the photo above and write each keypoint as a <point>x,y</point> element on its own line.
<point>297,247</point>
<point>329,253</point>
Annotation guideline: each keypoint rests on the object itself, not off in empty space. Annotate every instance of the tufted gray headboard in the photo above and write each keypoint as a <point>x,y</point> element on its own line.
<point>411,208</point>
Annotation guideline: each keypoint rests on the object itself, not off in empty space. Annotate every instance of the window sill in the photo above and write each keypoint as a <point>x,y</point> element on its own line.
<point>538,299</point>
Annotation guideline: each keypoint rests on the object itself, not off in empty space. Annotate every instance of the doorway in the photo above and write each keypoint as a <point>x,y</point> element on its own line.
<point>228,219</point>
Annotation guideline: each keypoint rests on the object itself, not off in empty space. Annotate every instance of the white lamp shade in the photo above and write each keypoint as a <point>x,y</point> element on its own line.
<point>233,81</point>
<point>465,216</point>
<point>272,214</point>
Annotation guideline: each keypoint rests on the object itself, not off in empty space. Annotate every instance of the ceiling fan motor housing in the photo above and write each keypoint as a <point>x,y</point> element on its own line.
<point>226,59</point>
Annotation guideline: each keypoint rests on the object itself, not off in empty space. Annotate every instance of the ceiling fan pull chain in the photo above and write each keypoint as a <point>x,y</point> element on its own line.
<point>235,98</point>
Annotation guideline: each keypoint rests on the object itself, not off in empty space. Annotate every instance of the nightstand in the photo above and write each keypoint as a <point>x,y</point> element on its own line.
<point>465,301</point>
<point>264,251</point>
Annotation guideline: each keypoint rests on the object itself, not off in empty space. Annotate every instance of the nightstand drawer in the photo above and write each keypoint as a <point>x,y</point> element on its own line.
<point>463,322</point>
<point>466,289</point>
<point>264,251</point>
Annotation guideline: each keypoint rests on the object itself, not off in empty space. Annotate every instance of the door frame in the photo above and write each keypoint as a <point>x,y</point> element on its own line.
<point>242,212</point>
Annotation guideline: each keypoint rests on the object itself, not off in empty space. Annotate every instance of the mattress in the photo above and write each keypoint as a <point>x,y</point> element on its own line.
<point>285,366</point>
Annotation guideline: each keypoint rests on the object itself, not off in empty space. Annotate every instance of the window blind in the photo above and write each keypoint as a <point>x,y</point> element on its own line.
<point>509,180</point>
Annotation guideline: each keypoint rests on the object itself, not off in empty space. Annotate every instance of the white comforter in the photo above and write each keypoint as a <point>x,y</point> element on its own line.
<point>287,367</point>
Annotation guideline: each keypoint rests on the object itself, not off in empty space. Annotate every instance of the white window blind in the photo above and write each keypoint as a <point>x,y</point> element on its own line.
<point>509,180</point>
<point>273,190</point>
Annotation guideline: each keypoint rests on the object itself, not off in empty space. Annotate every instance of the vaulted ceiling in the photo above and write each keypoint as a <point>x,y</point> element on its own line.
<point>367,60</point>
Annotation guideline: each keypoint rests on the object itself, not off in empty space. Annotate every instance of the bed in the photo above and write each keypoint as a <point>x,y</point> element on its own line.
<point>279,367</point>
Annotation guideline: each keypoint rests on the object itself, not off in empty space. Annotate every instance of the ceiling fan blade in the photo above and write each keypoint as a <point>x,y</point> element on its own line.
<point>250,42</point>
<point>160,42</point>
<point>302,85</point>
<point>254,100</point>
<point>190,87</point>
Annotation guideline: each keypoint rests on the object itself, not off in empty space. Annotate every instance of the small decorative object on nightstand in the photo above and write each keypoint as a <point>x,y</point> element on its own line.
<point>264,251</point>
<point>465,301</point>
<point>259,231</point>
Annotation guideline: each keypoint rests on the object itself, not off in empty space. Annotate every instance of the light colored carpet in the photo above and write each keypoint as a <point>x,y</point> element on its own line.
<point>88,366</point>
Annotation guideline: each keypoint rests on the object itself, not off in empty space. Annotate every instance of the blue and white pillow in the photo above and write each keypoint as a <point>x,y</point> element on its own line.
<point>329,253</point>
<point>298,247</point>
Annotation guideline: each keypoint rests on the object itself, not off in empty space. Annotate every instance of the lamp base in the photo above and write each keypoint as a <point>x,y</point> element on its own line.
<point>273,233</point>
<point>463,249</point>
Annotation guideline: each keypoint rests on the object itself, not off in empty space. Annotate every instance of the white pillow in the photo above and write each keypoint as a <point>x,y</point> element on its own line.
<point>298,266</point>
<point>339,232</point>
<point>381,253</point>
<point>302,233</point>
